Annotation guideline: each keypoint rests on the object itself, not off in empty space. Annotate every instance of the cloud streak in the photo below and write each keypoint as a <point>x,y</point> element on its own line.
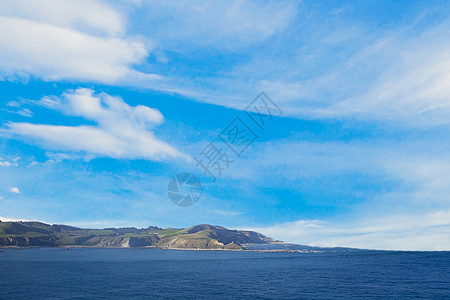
<point>122,131</point>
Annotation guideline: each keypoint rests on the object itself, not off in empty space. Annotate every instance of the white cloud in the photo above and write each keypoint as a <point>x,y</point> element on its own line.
<point>429,231</point>
<point>17,109</point>
<point>86,15</point>
<point>23,112</point>
<point>122,131</point>
<point>55,53</point>
<point>67,40</point>
<point>14,190</point>
<point>5,163</point>
<point>13,104</point>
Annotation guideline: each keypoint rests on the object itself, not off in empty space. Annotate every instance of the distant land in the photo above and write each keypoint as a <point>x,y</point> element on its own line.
<point>199,237</point>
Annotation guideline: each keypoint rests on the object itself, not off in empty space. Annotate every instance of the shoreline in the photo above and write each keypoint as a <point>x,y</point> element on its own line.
<point>163,248</point>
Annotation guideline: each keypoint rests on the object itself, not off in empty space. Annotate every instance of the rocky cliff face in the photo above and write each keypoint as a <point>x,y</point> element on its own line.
<point>28,234</point>
<point>188,242</point>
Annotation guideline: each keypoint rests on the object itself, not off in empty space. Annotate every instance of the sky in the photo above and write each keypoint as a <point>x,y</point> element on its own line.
<point>102,103</point>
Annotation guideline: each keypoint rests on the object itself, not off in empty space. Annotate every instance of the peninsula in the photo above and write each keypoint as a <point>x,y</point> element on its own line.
<point>200,237</point>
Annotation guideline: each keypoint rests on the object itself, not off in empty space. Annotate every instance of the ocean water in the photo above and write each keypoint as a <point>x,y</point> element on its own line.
<point>80,273</point>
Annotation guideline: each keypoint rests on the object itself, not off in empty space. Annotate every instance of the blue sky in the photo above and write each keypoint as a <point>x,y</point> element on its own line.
<point>102,102</point>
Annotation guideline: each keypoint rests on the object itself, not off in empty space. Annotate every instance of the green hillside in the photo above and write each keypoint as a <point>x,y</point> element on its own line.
<point>29,234</point>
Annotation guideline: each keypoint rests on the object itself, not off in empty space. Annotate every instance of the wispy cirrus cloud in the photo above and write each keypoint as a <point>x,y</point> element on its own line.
<point>398,75</point>
<point>411,81</point>
<point>15,108</point>
<point>122,131</point>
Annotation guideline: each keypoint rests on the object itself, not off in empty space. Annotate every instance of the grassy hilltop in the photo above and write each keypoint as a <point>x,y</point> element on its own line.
<point>29,234</point>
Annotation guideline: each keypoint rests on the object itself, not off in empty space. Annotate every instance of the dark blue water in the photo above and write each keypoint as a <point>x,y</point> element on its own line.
<point>145,273</point>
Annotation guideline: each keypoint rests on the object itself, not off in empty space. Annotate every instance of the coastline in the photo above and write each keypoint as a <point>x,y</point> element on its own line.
<point>164,248</point>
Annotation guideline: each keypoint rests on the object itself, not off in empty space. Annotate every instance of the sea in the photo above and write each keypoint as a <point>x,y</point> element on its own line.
<point>95,273</point>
